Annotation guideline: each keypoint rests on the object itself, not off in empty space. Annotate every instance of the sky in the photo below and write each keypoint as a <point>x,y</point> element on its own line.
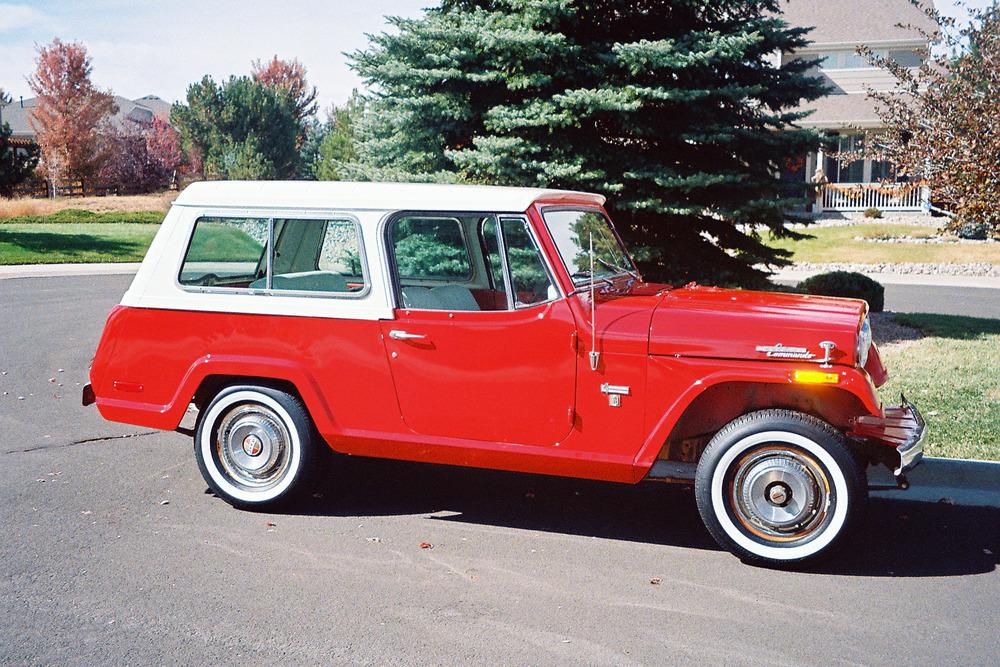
<point>158,48</point>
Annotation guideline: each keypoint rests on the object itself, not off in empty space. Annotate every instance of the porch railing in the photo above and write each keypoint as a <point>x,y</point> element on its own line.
<point>861,196</point>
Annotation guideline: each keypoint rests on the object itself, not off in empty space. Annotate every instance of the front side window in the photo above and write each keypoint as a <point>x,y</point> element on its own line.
<point>473,262</point>
<point>309,255</point>
<point>573,233</point>
<point>431,248</point>
<point>529,279</point>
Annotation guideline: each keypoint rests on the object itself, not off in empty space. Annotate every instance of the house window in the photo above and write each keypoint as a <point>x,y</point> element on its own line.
<point>841,172</point>
<point>842,59</point>
<point>907,57</point>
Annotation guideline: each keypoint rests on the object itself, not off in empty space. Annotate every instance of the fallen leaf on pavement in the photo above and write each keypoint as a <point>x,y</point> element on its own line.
<point>164,502</point>
<point>271,524</point>
<point>374,539</point>
<point>656,581</point>
<point>426,545</point>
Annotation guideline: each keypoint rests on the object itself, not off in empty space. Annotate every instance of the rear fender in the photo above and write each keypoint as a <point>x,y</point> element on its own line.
<point>169,415</point>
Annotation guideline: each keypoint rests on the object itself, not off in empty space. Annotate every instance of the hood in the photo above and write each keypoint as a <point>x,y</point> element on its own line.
<point>698,321</point>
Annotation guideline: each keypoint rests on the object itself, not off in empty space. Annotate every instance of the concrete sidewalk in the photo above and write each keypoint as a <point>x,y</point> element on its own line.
<point>56,270</point>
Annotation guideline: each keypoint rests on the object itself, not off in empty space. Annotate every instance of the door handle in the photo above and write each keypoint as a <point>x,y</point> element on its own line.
<point>396,334</point>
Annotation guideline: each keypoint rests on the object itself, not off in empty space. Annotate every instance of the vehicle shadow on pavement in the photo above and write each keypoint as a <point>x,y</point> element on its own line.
<point>898,538</point>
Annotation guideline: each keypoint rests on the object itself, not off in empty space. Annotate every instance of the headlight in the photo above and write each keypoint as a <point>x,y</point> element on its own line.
<point>864,342</point>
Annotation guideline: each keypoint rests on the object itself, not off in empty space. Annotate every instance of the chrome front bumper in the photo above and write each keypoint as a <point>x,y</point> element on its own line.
<point>902,427</point>
<point>911,452</point>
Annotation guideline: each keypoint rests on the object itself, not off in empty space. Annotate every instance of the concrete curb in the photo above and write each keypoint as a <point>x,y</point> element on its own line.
<point>934,280</point>
<point>56,270</point>
<point>952,481</point>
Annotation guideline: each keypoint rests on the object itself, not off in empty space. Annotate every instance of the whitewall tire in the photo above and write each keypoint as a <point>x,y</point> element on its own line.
<point>779,487</point>
<point>256,446</point>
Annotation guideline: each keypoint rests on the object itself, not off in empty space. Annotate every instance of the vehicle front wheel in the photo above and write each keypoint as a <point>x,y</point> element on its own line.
<point>779,487</point>
<point>256,446</point>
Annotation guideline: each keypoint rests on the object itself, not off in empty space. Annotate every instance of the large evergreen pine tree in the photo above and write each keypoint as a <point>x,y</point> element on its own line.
<point>673,108</point>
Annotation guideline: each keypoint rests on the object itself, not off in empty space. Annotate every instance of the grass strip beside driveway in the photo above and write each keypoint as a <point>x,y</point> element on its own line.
<point>953,376</point>
<point>45,243</point>
<point>75,235</point>
<point>850,244</point>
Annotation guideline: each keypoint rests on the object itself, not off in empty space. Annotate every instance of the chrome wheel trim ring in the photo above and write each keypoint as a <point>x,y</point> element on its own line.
<point>252,445</point>
<point>840,500</point>
<point>206,446</point>
<point>780,494</point>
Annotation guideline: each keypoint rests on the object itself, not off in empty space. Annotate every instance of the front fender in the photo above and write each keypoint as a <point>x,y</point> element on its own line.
<point>674,384</point>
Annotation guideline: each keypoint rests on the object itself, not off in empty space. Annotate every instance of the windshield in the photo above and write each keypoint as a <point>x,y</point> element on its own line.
<point>572,231</point>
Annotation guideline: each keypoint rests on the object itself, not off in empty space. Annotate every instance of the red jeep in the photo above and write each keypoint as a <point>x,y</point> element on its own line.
<point>500,328</point>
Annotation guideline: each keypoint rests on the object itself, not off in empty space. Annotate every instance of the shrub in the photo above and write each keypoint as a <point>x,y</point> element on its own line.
<point>873,212</point>
<point>975,231</point>
<point>847,284</point>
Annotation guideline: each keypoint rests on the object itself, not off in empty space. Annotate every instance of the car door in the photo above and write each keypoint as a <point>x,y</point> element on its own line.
<point>483,345</point>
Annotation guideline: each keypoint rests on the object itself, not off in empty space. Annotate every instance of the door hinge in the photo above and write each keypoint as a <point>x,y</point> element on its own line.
<point>574,340</point>
<point>571,415</point>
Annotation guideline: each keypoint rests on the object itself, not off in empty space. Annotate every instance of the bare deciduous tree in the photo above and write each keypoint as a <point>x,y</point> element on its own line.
<point>942,117</point>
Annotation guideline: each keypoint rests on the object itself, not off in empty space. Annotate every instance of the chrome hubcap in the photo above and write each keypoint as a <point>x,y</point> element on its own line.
<point>780,494</point>
<point>252,445</point>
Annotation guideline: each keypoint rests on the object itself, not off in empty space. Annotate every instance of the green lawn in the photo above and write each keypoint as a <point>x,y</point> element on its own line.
<point>838,244</point>
<point>46,243</point>
<point>953,376</point>
<point>73,235</point>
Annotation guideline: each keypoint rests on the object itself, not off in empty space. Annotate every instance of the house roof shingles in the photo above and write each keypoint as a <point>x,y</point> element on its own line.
<point>858,21</point>
<point>17,114</point>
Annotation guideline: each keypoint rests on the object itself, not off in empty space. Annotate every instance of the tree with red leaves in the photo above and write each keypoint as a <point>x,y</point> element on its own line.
<point>164,146</point>
<point>140,157</point>
<point>288,76</point>
<point>70,114</point>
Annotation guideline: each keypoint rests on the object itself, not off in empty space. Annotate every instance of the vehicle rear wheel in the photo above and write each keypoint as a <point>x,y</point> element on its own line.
<point>779,487</point>
<point>256,446</point>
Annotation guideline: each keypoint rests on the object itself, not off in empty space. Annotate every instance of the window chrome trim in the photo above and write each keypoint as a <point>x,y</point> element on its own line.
<point>270,216</point>
<point>523,219</point>
<point>508,277</point>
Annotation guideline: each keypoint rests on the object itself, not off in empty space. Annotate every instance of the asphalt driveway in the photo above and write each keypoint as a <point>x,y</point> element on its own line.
<point>112,552</point>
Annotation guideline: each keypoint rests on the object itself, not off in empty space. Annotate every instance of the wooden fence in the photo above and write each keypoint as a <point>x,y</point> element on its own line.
<point>40,189</point>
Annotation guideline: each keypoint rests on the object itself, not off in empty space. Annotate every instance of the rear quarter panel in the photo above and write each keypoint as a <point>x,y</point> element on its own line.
<point>151,362</point>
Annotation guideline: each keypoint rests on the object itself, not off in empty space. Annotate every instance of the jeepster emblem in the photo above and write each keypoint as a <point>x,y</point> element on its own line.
<point>780,351</point>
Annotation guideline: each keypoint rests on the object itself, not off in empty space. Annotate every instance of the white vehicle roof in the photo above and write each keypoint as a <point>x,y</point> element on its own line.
<point>343,195</point>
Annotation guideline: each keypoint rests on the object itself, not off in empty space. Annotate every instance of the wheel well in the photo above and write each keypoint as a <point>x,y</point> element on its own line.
<point>213,384</point>
<point>722,403</point>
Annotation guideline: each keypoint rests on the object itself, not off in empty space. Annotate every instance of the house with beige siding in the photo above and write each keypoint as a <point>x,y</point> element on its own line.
<point>891,28</point>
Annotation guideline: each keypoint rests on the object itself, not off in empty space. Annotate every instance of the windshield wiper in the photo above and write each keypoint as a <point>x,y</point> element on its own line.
<point>608,265</point>
<point>587,274</point>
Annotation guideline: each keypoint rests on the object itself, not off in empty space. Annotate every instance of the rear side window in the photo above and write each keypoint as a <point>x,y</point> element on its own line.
<point>226,252</point>
<point>308,255</point>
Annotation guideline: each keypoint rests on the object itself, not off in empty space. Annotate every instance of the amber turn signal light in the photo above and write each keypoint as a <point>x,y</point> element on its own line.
<point>815,377</point>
